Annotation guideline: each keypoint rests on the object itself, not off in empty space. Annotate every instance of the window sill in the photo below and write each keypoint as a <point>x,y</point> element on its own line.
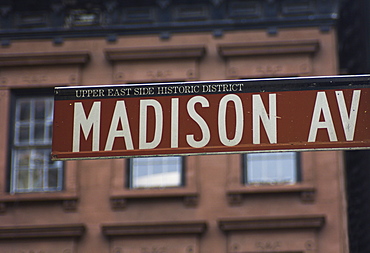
<point>307,192</point>
<point>68,199</point>
<point>119,198</point>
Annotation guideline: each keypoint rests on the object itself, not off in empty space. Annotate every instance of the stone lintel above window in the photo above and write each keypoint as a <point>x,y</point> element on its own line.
<point>154,228</point>
<point>272,222</point>
<point>155,64</point>
<point>129,54</point>
<point>269,58</point>
<point>269,48</point>
<point>42,231</point>
<point>53,58</point>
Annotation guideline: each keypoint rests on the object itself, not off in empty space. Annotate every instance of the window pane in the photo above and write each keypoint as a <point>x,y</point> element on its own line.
<point>40,109</point>
<point>49,105</point>
<point>24,111</point>
<point>49,132</point>
<point>23,159</point>
<point>37,178</point>
<point>271,168</point>
<point>39,132</point>
<point>53,178</point>
<point>32,170</point>
<point>24,134</point>
<point>22,179</point>
<point>156,172</point>
<point>38,159</point>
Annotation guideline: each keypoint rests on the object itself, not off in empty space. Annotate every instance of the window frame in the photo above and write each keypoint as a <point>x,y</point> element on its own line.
<point>244,173</point>
<point>129,173</point>
<point>16,94</point>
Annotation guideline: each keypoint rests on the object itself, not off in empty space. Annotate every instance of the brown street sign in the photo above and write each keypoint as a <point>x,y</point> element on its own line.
<point>211,117</point>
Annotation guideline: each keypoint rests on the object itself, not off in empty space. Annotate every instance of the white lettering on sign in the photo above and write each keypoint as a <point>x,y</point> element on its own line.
<point>144,91</point>
<point>183,89</point>
<point>119,116</point>
<point>269,122</point>
<point>119,92</point>
<point>206,136</point>
<point>222,120</point>
<point>90,93</point>
<point>174,123</point>
<point>232,87</point>
<point>322,107</point>
<point>151,121</point>
<point>348,122</point>
<point>158,112</point>
<point>92,121</point>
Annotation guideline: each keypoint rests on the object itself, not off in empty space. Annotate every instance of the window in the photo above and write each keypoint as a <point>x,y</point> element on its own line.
<point>271,168</point>
<point>31,167</point>
<point>83,17</point>
<point>151,172</point>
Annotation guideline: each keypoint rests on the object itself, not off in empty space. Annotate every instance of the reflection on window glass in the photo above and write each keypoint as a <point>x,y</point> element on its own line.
<point>271,168</point>
<point>32,169</point>
<point>156,172</point>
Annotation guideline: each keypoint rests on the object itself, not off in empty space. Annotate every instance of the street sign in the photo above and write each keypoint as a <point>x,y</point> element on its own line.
<point>211,117</point>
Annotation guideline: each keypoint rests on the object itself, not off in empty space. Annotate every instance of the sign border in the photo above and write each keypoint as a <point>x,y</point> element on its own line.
<point>249,86</point>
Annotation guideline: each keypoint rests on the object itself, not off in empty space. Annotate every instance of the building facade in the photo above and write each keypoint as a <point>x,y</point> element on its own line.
<point>354,44</point>
<point>289,202</point>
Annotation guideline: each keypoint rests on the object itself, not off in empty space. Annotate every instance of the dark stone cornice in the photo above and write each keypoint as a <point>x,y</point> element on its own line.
<point>71,19</point>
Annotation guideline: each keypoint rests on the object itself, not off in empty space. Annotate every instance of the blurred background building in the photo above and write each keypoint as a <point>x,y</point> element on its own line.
<point>354,55</point>
<point>287,202</point>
